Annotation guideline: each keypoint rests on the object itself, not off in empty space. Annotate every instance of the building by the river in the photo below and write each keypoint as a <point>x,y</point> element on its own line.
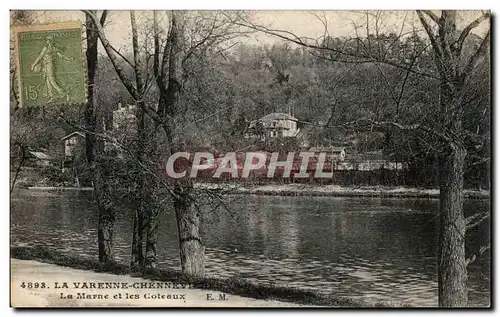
<point>74,148</point>
<point>274,125</point>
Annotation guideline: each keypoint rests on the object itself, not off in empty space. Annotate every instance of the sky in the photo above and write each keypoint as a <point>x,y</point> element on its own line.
<point>302,23</point>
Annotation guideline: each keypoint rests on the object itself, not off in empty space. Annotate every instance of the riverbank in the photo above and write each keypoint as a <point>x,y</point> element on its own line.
<point>313,190</point>
<point>339,191</point>
<point>54,188</point>
<point>246,292</point>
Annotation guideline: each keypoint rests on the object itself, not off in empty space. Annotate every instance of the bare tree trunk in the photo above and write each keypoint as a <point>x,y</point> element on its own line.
<point>137,259</point>
<point>95,152</point>
<point>143,193</point>
<point>151,226</point>
<point>141,196</point>
<point>452,267</point>
<point>151,237</point>
<point>153,210</point>
<point>21,162</point>
<point>105,228</point>
<point>152,223</point>
<point>191,247</point>
<point>192,251</point>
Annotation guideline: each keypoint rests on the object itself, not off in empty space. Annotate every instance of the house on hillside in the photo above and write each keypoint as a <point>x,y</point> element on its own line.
<point>73,142</point>
<point>74,147</point>
<point>124,117</point>
<point>274,125</point>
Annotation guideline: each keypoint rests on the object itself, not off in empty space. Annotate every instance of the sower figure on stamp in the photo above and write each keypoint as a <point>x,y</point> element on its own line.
<point>44,63</point>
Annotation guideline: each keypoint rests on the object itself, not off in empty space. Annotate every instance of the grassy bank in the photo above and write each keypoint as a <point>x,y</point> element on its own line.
<point>312,190</point>
<point>231,286</point>
<point>339,191</point>
<point>54,188</point>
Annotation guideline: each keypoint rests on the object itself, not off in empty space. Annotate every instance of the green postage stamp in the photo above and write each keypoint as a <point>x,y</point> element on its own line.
<point>50,64</point>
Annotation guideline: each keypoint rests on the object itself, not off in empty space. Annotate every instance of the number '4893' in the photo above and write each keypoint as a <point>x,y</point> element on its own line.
<point>33,285</point>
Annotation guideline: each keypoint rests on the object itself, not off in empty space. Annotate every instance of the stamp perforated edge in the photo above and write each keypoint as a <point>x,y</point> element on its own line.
<point>15,30</point>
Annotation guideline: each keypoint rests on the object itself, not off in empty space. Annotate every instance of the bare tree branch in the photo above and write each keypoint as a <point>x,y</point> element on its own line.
<point>476,219</point>
<point>104,15</point>
<point>469,28</point>
<point>433,38</point>
<point>129,85</point>
<point>434,130</point>
<point>478,254</point>
<point>156,58</point>
<point>113,57</point>
<point>200,43</point>
<point>135,47</point>
<point>358,58</point>
<point>405,80</point>
<point>474,59</point>
<point>122,56</point>
<point>432,15</point>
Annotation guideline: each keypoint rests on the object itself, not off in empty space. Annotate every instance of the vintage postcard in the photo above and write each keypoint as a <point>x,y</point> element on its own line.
<point>250,159</point>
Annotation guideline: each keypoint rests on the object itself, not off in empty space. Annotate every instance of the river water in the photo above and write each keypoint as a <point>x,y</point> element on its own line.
<point>370,248</point>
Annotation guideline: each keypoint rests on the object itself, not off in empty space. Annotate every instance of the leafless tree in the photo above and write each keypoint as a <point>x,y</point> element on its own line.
<point>452,71</point>
<point>209,31</point>
<point>95,148</point>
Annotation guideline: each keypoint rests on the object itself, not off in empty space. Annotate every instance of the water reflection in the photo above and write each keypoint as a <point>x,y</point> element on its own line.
<point>379,249</point>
